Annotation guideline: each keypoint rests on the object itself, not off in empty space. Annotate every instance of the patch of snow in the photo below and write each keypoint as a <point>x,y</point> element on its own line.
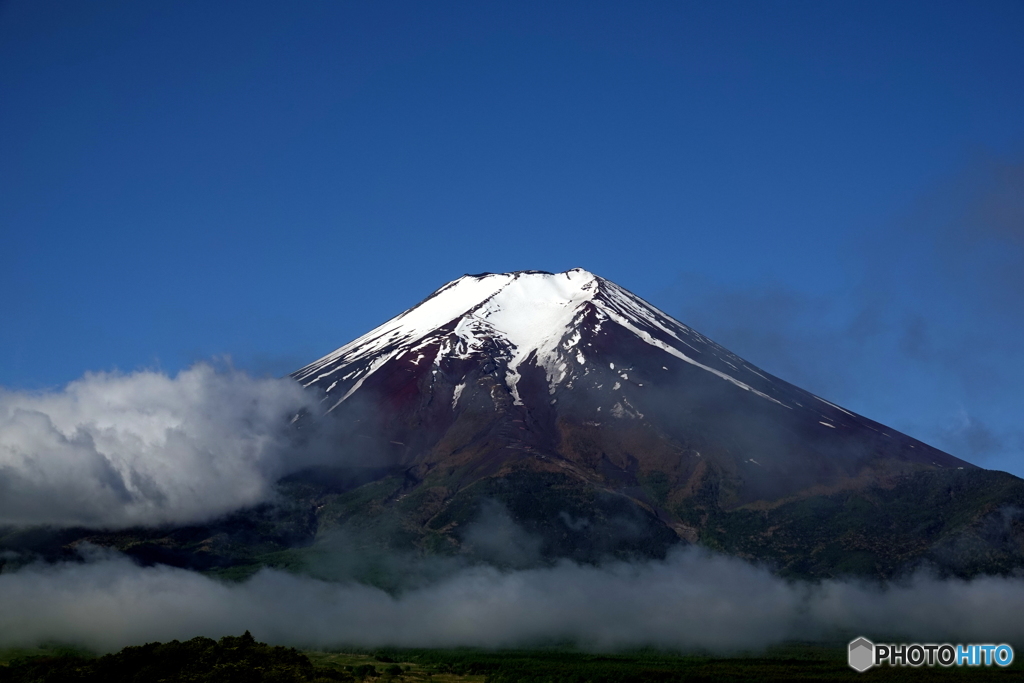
<point>446,304</point>
<point>573,340</point>
<point>634,412</point>
<point>657,343</point>
<point>376,363</point>
<point>835,406</point>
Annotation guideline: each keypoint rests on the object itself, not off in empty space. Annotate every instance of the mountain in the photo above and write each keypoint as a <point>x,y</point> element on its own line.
<point>520,418</point>
<point>602,426</point>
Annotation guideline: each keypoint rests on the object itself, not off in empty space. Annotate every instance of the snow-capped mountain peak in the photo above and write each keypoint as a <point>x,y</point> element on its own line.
<point>572,372</point>
<point>519,319</point>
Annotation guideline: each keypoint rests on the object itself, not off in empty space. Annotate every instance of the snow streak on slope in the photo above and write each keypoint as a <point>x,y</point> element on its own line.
<point>529,316</point>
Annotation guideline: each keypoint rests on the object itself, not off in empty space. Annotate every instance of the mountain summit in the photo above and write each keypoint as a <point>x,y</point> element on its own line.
<point>522,320</point>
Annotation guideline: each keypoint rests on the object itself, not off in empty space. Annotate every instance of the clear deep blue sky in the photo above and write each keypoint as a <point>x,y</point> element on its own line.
<point>833,190</point>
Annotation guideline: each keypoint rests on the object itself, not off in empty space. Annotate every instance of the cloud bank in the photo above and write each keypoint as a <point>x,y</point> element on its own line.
<point>692,600</point>
<point>118,450</point>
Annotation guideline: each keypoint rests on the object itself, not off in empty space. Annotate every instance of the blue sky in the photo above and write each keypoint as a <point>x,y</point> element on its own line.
<point>833,190</point>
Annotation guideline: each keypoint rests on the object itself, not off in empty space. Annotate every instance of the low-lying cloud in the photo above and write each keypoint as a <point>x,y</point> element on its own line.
<point>691,600</point>
<point>117,450</point>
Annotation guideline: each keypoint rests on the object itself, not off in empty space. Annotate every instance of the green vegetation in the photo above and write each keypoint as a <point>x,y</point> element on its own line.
<point>569,518</point>
<point>658,485</point>
<point>241,659</point>
<point>964,522</point>
<point>955,520</point>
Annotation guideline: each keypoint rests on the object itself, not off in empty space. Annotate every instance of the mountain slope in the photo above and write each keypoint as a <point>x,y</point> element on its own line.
<point>553,392</point>
<point>570,367</point>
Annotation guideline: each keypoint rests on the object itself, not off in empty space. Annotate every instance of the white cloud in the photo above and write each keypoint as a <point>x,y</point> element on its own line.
<point>692,600</point>
<point>115,450</point>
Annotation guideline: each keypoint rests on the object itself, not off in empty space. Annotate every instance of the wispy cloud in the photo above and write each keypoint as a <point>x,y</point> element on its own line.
<point>924,335</point>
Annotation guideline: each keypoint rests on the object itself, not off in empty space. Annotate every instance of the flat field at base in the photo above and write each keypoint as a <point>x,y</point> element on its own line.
<point>790,662</point>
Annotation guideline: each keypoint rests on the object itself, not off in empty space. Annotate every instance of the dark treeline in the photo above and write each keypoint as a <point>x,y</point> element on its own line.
<point>233,659</point>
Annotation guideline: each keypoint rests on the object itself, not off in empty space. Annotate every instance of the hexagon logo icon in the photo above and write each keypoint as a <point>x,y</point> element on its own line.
<point>862,654</point>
